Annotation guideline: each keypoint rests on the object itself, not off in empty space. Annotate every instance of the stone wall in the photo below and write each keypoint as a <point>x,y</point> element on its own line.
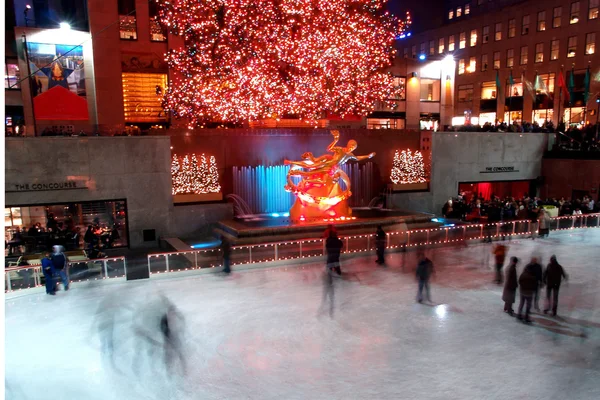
<point>582,176</point>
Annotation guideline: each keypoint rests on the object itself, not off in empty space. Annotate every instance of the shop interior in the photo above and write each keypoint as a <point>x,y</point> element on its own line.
<point>502,189</point>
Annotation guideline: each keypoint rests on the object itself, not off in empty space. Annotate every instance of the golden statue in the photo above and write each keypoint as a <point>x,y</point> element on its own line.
<point>319,193</point>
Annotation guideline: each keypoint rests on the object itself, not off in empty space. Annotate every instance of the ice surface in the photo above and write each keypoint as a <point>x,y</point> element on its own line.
<point>265,334</point>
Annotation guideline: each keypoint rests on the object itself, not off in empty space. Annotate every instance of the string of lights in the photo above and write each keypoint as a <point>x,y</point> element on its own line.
<point>192,177</point>
<point>408,167</point>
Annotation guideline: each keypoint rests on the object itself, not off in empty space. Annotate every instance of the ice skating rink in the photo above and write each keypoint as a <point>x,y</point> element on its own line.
<point>272,334</point>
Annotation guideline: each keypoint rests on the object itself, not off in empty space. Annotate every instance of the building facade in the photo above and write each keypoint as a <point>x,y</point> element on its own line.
<point>511,57</point>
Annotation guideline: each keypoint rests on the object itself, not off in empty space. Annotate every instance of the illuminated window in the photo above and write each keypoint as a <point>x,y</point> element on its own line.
<point>431,47</point>
<point>510,58</point>
<point>441,45</point>
<point>488,90</point>
<point>157,33</point>
<point>142,97</point>
<point>515,90</point>
<point>472,65</point>
<point>450,14</point>
<point>496,60</point>
<point>590,43</point>
<point>548,82</point>
<point>572,47</point>
<point>12,77</point>
<point>524,55</point>
<point>399,84</point>
<point>498,32</point>
<point>554,48</point>
<point>473,37</point>
<point>593,9</point>
<point>556,17</point>
<point>486,34</point>
<point>127,20</point>
<point>484,62</point>
<point>463,40</point>
<point>467,9</point>
<point>541,21</point>
<point>430,89</point>
<point>539,52</point>
<point>525,25</point>
<point>451,43</point>
<point>461,66</point>
<point>512,28</point>
<point>465,93</point>
<point>458,12</point>
<point>574,18</point>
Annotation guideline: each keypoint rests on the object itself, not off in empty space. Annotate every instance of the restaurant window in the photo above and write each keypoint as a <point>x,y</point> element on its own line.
<point>12,77</point>
<point>385,123</point>
<point>484,62</point>
<point>498,32</point>
<point>541,21</point>
<point>539,52</point>
<point>488,90</point>
<point>593,9</point>
<point>524,55</point>
<point>431,47</point>
<point>430,89</point>
<point>554,48</point>
<point>127,20</point>
<point>525,25</point>
<point>574,17</point>
<point>463,40</point>
<point>458,12</point>
<point>496,60</point>
<point>572,47</point>
<point>142,99</point>
<point>450,14</point>
<point>590,44</point>
<point>465,93</point>
<point>485,34</point>
<point>473,37</point>
<point>512,28</point>
<point>451,43</point>
<point>472,65</point>
<point>467,9</point>
<point>461,66</point>
<point>157,33</point>
<point>441,45</point>
<point>510,58</point>
<point>547,84</point>
<point>556,17</point>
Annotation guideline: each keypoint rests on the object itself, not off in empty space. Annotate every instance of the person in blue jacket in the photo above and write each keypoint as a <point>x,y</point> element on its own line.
<point>48,270</point>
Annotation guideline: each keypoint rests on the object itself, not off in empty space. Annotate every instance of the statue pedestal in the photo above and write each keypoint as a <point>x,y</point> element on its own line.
<point>300,212</point>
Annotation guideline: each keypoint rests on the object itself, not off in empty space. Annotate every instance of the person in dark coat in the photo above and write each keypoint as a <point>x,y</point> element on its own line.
<point>424,272</point>
<point>380,242</point>
<point>89,236</point>
<point>509,293</point>
<point>527,287</point>
<point>48,270</point>
<point>552,278</point>
<point>60,261</point>
<point>226,248</point>
<point>500,254</point>
<point>536,270</point>
<point>334,246</point>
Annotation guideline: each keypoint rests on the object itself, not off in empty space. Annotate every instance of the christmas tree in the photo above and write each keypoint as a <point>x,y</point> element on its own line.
<point>213,177</point>
<point>202,168</point>
<point>175,174</point>
<point>250,59</point>
<point>186,178</point>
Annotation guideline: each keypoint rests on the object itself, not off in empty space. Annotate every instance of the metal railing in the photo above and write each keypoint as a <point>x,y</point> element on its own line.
<point>31,276</point>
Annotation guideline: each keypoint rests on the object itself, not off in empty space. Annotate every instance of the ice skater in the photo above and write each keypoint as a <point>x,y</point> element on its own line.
<point>172,326</point>
<point>60,262</point>
<point>48,270</point>
<point>424,272</point>
<point>536,270</point>
<point>500,254</point>
<point>334,246</point>
<point>510,286</point>
<point>328,292</point>
<point>380,242</point>
<point>553,276</point>
<point>226,248</point>
<point>527,287</point>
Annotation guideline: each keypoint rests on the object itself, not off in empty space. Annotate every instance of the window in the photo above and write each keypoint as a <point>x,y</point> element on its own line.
<point>512,28</point>
<point>12,77</point>
<point>463,40</point>
<point>574,18</point>
<point>413,51</point>
<point>467,9</point>
<point>496,60</point>
<point>498,34</point>
<point>539,52</point>
<point>510,58</point>
<point>405,52</point>
<point>422,48</point>
<point>451,43</point>
<point>554,47</point>
<point>484,62</point>
<point>430,89</point>
<point>157,33</point>
<point>556,17</point>
<point>572,47</point>
<point>441,46</point>
<point>473,37</point>
<point>524,52</point>
<point>541,22</point>
<point>486,34</point>
<point>465,93</point>
<point>545,84</point>
<point>488,90</point>
<point>593,9</point>
<point>450,14</point>
<point>515,90</point>
<point>431,47</point>
<point>525,25</point>
<point>399,84</point>
<point>458,12</point>
<point>461,66</point>
<point>141,103</point>
<point>472,65</point>
<point>590,44</point>
<point>127,20</point>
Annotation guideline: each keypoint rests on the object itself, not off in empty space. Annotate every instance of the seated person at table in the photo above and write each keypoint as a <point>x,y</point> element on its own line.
<point>89,236</point>
<point>114,235</point>
<point>94,251</point>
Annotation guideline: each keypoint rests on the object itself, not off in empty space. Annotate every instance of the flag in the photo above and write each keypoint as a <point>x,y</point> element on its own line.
<point>571,84</point>
<point>586,85</point>
<point>562,85</point>
<point>498,86</point>
<point>511,79</point>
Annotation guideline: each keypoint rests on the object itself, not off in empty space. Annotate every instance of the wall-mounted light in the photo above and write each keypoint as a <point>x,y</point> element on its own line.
<point>448,78</point>
<point>413,75</point>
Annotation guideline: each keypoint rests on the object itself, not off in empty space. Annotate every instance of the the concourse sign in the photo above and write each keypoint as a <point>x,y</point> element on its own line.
<point>498,170</point>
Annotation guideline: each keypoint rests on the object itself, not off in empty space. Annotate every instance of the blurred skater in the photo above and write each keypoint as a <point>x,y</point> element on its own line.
<point>552,278</point>
<point>527,288</point>
<point>544,223</point>
<point>424,272</point>
<point>226,248</point>
<point>171,326</point>
<point>48,270</point>
<point>330,228</point>
<point>60,261</point>
<point>510,286</point>
<point>328,292</point>
<point>380,242</point>
<point>334,246</point>
<point>500,254</point>
<point>536,270</point>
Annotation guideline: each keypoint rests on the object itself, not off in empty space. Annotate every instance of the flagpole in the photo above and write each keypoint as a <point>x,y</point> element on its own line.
<point>523,95</point>
<point>510,93</point>
<point>559,100</point>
